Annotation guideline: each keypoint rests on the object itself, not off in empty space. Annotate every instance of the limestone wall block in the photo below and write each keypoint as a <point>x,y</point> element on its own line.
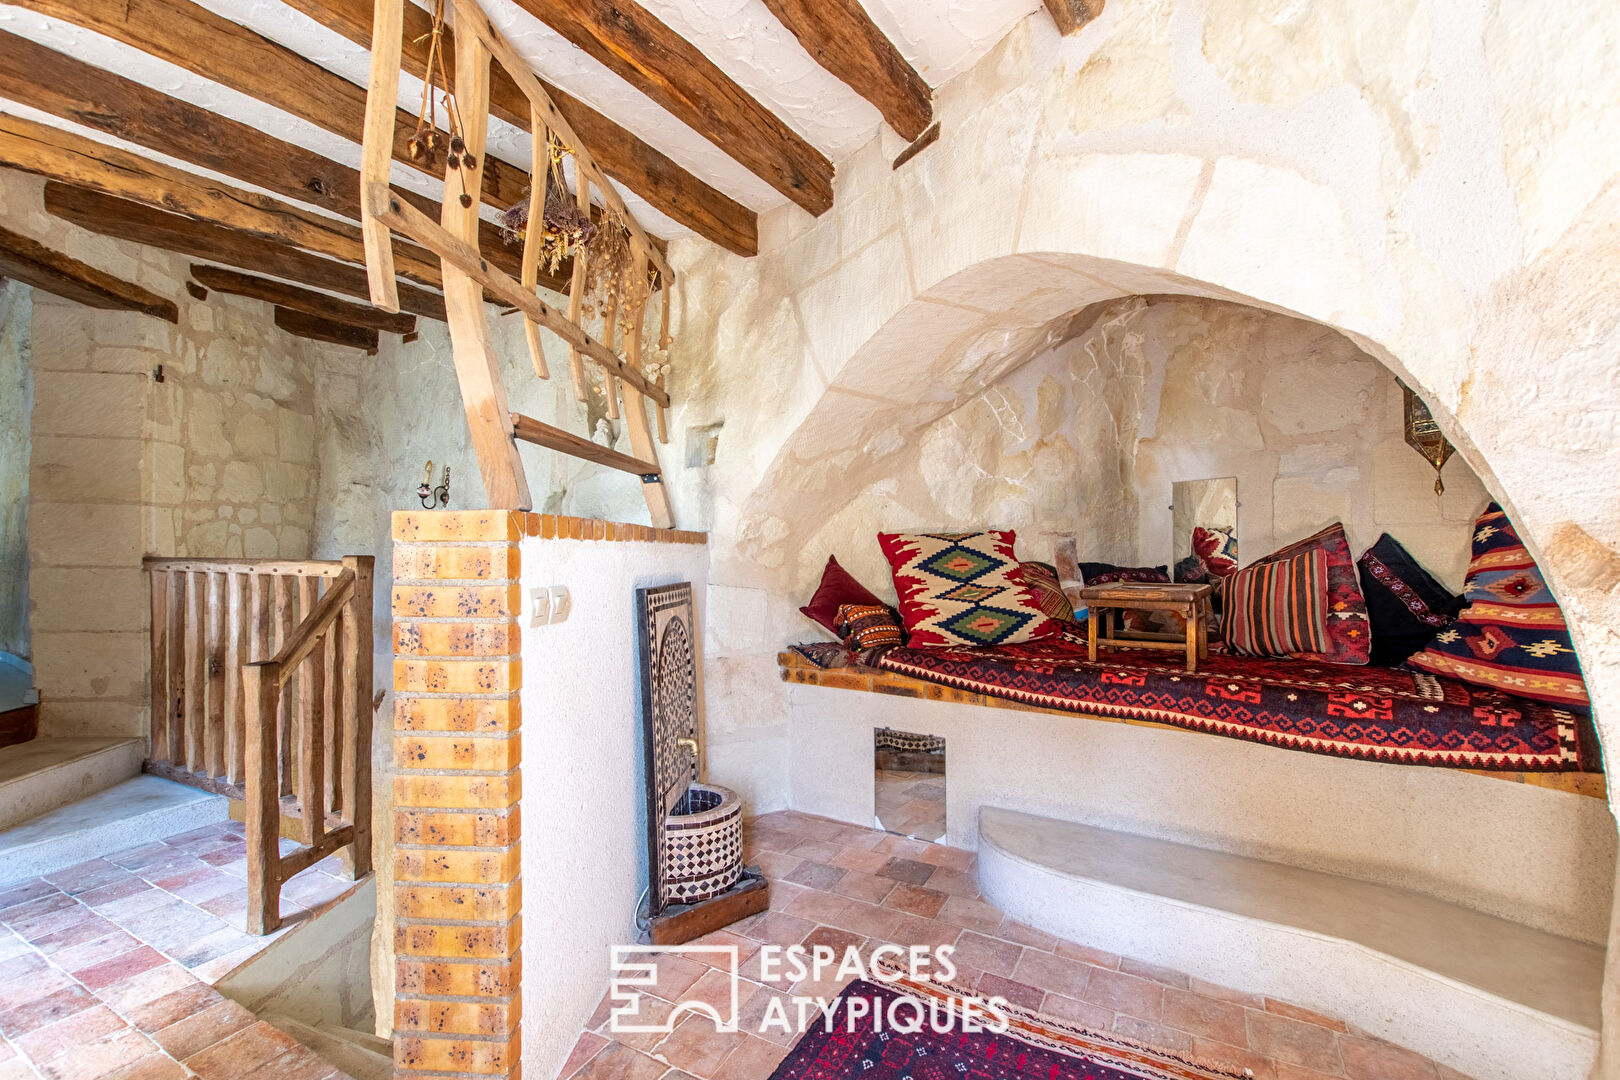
<point>253,435</point>
<point>259,542</point>
<point>75,403</point>
<point>1085,185</point>
<point>89,599</point>
<point>205,427</point>
<point>84,469</point>
<point>69,719</point>
<point>1308,396</point>
<point>841,311</point>
<point>241,482</point>
<point>84,534</point>
<point>296,436</point>
<point>99,666</point>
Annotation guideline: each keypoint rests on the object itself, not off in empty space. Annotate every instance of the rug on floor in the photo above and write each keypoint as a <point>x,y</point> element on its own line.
<point>862,1040</point>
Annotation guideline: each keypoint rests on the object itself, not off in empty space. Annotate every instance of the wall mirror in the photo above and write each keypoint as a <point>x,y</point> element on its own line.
<point>1210,504</point>
<point>910,783</point>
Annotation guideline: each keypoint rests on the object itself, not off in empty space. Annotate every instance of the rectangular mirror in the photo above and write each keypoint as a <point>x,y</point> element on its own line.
<point>1210,504</point>
<point>910,782</point>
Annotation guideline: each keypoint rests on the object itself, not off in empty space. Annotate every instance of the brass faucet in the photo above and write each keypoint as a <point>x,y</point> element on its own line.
<point>690,744</point>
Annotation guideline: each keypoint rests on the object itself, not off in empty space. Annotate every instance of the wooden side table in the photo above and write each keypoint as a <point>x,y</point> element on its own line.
<point>1191,602</point>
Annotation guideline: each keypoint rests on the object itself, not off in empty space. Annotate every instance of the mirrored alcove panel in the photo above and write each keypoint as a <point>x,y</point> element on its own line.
<point>1207,504</point>
<point>909,775</point>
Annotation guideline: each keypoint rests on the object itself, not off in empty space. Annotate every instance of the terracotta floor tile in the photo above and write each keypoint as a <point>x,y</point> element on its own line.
<point>674,974</point>
<point>1141,998</point>
<point>1295,1072</point>
<point>820,851</point>
<point>203,1029</point>
<point>215,970</point>
<point>868,920</point>
<point>1235,1058</point>
<point>839,941</point>
<point>1293,1042</point>
<point>24,892</point>
<point>970,914</point>
<point>1021,994</point>
<point>86,876</point>
<point>95,1058</point>
<point>865,887</point>
<point>616,1061</point>
<point>585,1048</point>
<point>1370,1059</point>
<point>696,1047</point>
<point>119,898</point>
<point>1012,930</point>
<point>80,933</point>
<point>1053,973</point>
<point>866,861</point>
<point>299,1063</point>
<point>23,988</point>
<point>819,907</point>
<point>784,893</point>
<point>1095,957</point>
<point>103,973</point>
<point>1283,1008</point>
<point>171,1008</point>
<point>71,1033</point>
<point>1167,976</point>
<point>1226,993</point>
<point>36,930</point>
<point>109,946</point>
<point>746,947</point>
<point>147,986</point>
<point>1145,1031</point>
<point>46,1010</point>
<point>1207,1017</point>
<point>915,900</point>
<point>987,954</point>
<point>916,930</point>
<point>907,871</point>
<point>645,1012</point>
<point>1083,1013</point>
<point>816,875</point>
<point>774,864</point>
<point>241,1053</point>
<point>17,1068</point>
<point>752,1059</point>
<point>49,903</point>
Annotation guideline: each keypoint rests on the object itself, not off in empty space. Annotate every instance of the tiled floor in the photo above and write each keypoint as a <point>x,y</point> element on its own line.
<point>911,803</point>
<point>106,968</point>
<point>839,885</point>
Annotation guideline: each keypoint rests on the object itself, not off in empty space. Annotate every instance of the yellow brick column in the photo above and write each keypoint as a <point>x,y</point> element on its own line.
<point>457,873</point>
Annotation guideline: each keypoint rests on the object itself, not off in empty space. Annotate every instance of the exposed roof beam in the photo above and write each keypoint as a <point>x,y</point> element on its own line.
<point>643,169</point>
<point>291,296</point>
<point>1071,15</point>
<point>673,72</point>
<point>124,220</point>
<point>843,39</point>
<point>212,46</point>
<point>32,263</point>
<point>72,159</point>
<point>315,328</point>
<point>73,90</point>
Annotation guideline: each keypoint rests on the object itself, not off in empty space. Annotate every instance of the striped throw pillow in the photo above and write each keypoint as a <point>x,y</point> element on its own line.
<point>1277,608</point>
<point>866,626</point>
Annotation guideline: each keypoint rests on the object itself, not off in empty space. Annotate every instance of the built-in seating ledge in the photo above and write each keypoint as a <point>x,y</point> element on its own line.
<point>796,669</point>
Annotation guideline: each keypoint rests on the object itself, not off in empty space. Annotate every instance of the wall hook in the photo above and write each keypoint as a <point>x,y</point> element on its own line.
<point>431,496</point>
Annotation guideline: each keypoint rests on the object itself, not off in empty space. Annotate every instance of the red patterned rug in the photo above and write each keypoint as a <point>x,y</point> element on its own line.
<point>860,1039</point>
<point>1379,714</point>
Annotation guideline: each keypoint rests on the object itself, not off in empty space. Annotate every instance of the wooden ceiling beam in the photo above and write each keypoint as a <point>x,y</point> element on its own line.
<point>305,325</point>
<point>1071,15</point>
<point>73,159</point>
<point>222,51</point>
<point>291,296</point>
<point>73,90</point>
<point>841,37</point>
<point>643,169</point>
<point>32,263</point>
<point>141,224</point>
<point>673,72</point>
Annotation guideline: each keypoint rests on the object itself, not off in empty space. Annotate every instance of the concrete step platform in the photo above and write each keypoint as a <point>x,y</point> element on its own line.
<point>38,776</point>
<point>361,1054</point>
<point>132,812</point>
<point>1494,999</point>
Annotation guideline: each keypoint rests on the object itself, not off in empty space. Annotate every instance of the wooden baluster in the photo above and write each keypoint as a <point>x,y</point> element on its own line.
<point>261,617</point>
<point>176,660</point>
<point>262,685</point>
<point>214,659</point>
<point>534,235</point>
<point>333,779</point>
<point>576,290</point>
<point>196,672</point>
<point>286,595</point>
<point>664,342</point>
<point>235,656</point>
<point>357,646</point>
<point>311,740</point>
<point>158,722</point>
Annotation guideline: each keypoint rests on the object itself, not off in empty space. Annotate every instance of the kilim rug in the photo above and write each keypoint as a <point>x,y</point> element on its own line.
<point>1377,714</point>
<point>863,1044</point>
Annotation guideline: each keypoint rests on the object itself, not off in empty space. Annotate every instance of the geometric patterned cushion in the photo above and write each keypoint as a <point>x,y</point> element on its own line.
<point>1406,606</point>
<point>1217,548</point>
<point>1512,635</point>
<point>963,589</point>
<point>866,626</point>
<point>1277,607</point>
<point>1349,631</point>
<point>1042,579</point>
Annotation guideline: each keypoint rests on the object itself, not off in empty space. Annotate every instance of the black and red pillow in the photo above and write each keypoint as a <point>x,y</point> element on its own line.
<point>1406,606</point>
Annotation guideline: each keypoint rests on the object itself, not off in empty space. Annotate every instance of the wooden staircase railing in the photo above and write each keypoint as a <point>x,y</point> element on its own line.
<point>261,691</point>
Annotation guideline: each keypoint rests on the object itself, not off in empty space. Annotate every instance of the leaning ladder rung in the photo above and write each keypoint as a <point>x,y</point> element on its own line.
<point>534,431</point>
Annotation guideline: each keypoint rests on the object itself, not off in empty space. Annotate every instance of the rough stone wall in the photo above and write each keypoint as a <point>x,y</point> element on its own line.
<point>1308,423</point>
<point>16,402</point>
<point>217,459</point>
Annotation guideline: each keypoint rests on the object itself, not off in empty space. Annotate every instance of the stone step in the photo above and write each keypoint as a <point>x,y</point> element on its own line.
<point>40,775</point>
<point>361,1054</point>
<point>136,811</point>
<point>1492,998</point>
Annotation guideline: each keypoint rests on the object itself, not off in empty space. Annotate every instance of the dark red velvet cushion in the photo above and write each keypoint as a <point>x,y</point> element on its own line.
<point>837,588</point>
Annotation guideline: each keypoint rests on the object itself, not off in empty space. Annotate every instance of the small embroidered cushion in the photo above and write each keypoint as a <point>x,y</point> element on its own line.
<point>837,588</point>
<point>866,626</point>
<point>1042,580</point>
<point>1349,634</point>
<point>1216,549</point>
<point>963,589</point>
<point>1512,635</point>
<point>1101,573</point>
<point>1405,605</point>
<point>1277,608</point>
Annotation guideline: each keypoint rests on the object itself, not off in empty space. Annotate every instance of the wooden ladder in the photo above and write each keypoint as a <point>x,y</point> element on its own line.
<point>468,277</point>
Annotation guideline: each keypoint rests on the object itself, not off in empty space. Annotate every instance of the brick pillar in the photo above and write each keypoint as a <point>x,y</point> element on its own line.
<point>457,888</point>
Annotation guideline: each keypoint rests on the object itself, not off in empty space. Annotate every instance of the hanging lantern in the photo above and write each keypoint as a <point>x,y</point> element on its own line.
<point>1425,436</point>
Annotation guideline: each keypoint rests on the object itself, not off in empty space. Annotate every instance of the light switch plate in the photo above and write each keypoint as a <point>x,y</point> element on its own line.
<point>539,606</point>
<point>560,603</point>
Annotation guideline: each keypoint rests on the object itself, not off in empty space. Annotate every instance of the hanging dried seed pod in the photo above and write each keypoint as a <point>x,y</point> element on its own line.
<point>456,145</point>
<point>469,162</point>
<point>466,200</point>
<point>452,161</point>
